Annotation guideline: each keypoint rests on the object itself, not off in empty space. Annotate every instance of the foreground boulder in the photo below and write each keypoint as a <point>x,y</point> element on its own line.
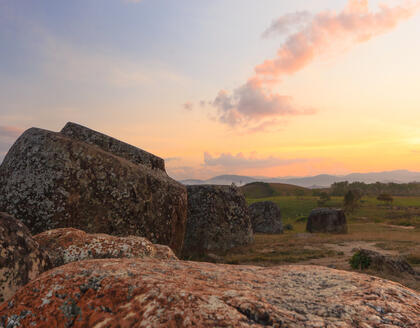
<point>20,258</point>
<point>113,146</point>
<point>218,219</point>
<point>67,245</point>
<point>327,220</point>
<point>51,180</point>
<point>266,217</point>
<point>153,293</point>
<point>367,259</point>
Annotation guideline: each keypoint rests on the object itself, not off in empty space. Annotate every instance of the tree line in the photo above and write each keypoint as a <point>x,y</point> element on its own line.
<point>375,189</point>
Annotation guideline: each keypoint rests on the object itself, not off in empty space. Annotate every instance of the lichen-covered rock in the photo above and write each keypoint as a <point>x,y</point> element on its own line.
<point>21,260</point>
<point>266,217</point>
<point>113,146</point>
<point>327,220</point>
<point>218,219</point>
<point>383,263</point>
<point>152,293</point>
<point>52,181</point>
<point>67,245</point>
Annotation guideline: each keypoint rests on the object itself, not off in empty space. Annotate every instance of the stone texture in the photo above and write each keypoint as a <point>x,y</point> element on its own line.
<point>327,220</point>
<point>385,263</point>
<point>113,146</point>
<point>21,260</point>
<point>266,217</point>
<point>217,220</point>
<point>52,181</point>
<point>67,245</point>
<point>152,293</point>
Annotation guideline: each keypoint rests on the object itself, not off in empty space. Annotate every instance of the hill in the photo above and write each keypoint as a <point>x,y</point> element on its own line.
<point>263,189</point>
<point>317,181</point>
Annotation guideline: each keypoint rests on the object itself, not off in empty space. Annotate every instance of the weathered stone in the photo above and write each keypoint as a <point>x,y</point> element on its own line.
<point>51,181</point>
<point>266,217</point>
<point>113,146</point>
<point>327,220</point>
<point>218,219</point>
<point>21,260</point>
<point>154,293</point>
<point>67,245</point>
<point>384,263</point>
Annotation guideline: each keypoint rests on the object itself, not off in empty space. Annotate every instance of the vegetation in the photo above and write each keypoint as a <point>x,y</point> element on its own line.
<point>375,189</point>
<point>387,198</point>
<point>352,200</point>
<point>392,229</point>
<point>360,261</point>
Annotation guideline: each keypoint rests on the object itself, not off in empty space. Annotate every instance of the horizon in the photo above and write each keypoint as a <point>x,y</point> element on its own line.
<point>281,90</point>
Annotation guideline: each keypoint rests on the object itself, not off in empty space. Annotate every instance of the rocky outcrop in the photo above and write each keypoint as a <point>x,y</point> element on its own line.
<point>50,180</point>
<point>327,220</point>
<point>67,245</point>
<point>153,293</point>
<point>21,260</point>
<point>113,146</point>
<point>266,217</point>
<point>368,259</point>
<point>218,219</point>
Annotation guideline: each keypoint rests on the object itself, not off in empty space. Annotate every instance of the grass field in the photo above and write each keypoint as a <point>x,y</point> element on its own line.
<point>394,230</point>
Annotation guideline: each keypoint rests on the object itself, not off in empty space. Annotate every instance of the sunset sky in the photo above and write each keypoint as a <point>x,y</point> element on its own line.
<point>252,87</point>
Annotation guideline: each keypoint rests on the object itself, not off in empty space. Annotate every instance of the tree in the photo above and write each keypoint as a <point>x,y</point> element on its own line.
<point>351,200</point>
<point>323,198</point>
<point>387,198</point>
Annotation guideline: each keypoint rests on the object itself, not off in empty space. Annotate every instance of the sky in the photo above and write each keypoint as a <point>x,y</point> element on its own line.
<point>251,87</point>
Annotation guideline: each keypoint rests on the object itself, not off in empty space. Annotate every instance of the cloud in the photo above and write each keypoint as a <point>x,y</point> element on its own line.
<point>172,159</point>
<point>328,30</point>
<point>254,105</point>
<point>10,131</point>
<point>8,134</point>
<point>188,106</point>
<point>283,24</point>
<point>240,161</point>
<point>251,102</point>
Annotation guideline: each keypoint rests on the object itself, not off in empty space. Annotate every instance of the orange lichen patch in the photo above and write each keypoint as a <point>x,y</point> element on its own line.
<point>156,293</point>
<point>67,245</point>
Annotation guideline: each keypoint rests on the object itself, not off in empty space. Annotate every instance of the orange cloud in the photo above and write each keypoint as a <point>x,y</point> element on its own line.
<point>328,30</point>
<point>254,106</point>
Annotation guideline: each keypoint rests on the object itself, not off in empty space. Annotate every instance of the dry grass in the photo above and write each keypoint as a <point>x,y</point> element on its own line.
<point>298,247</point>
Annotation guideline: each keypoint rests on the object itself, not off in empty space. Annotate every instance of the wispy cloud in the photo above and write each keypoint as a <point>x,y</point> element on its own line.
<point>328,30</point>
<point>240,161</point>
<point>284,24</point>
<point>189,106</point>
<point>10,131</point>
<point>254,103</point>
<point>8,134</point>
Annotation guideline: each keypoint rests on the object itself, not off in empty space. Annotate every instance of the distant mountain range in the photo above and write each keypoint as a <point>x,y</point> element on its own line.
<point>318,181</point>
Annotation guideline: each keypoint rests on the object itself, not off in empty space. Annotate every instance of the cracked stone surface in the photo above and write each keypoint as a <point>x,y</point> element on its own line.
<point>158,293</point>
<point>67,245</point>
<point>218,219</point>
<point>21,260</point>
<point>112,145</point>
<point>49,181</point>
<point>266,217</point>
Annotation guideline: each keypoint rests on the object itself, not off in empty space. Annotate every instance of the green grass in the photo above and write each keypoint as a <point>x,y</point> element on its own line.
<point>388,228</point>
<point>293,207</point>
<point>405,211</point>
